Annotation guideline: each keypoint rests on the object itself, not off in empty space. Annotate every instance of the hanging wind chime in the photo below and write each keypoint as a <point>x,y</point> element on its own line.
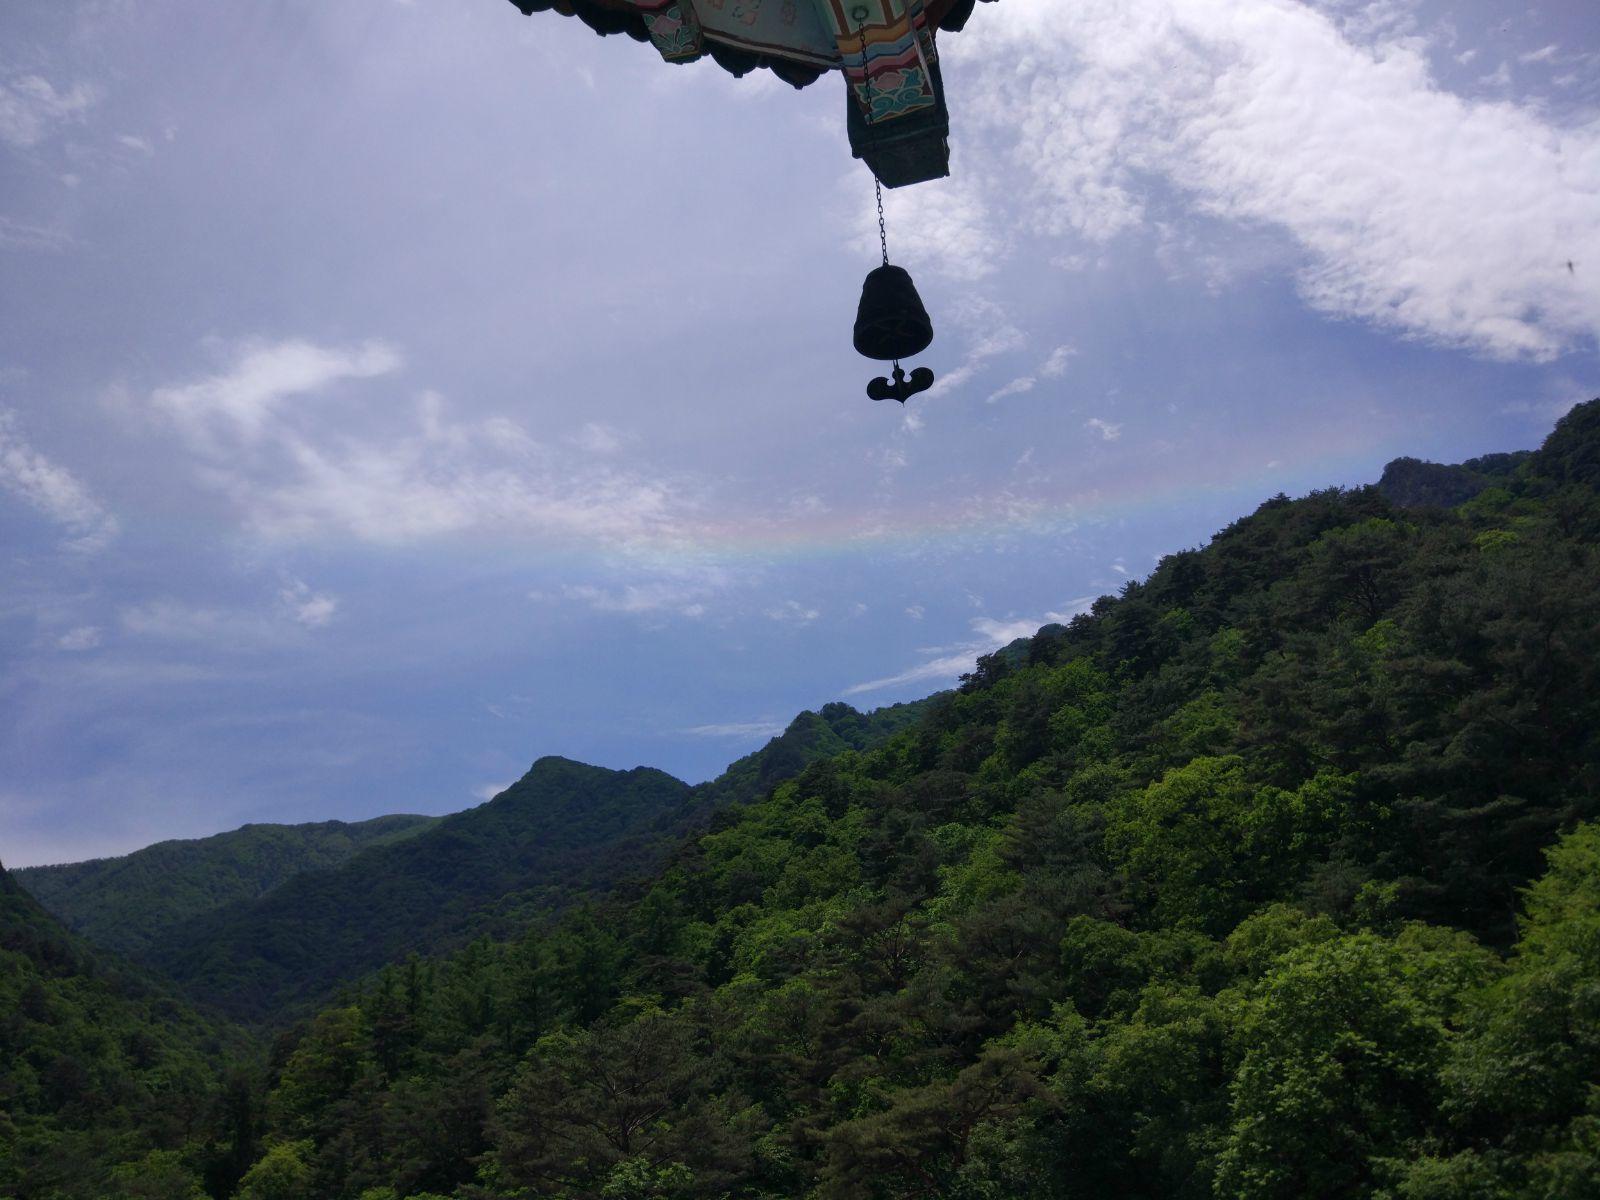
<point>891,322</point>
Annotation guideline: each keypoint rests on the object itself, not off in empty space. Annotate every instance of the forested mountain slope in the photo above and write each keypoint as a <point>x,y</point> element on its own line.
<point>99,1067</point>
<point>127,903</point>
<point>1272,877</point>
<point>560,827</point>
<point>563,832</point>
<point>833,729</point>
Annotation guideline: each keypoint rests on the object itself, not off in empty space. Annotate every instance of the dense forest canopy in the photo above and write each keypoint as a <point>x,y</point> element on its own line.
<point>1276,875</point>
<point>130,903</point>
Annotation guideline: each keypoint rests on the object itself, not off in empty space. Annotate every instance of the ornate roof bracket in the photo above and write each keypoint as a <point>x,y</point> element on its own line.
<point>674,28</point>
<point>895,112</point>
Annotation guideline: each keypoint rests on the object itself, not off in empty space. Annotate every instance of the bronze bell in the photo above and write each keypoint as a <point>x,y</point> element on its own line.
<point>891,323</point>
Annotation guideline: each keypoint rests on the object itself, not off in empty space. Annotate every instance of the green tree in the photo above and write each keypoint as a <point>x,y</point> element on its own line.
<point>283,1173</point>
<point>1343,1042</point>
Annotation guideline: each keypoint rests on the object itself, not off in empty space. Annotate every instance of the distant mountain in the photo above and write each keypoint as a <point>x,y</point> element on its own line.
<point>560,826</point>
<point>127,904</point>
<point>563,833</point>
<point>89,1053</point>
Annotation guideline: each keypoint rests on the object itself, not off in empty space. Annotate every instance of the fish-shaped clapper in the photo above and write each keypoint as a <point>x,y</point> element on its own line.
<point>902,389</point>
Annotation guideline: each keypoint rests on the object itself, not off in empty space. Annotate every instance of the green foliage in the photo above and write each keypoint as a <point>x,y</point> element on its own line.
<point>1342,1044</point>
<point>105,1079</point>
<point>282,1174</point>
<point>159,1175</point>
<point>562,828</point>
<point>129,904</point>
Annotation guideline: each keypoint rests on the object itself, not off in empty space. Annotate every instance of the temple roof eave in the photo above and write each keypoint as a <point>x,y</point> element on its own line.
<point>626,17</point>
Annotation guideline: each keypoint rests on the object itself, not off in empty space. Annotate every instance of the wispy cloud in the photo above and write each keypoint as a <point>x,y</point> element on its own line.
<point>989,333</point>
<point>296,471</point>
<point>1108,430</point>
<point>1055,366</point>
<point>737,729</point>
<point>682,592</point>
<point>949,662</point>
<point>31,109</point>
<point>794,613</point>
<point>597,438</point>
<point>199,624</point>
<point>238,406</point>
<point>20,235</point>
<point>309,608</point>
<point>1017,387</point>
<point>1356,153</point>
<point>84,637</point>
<point>943,225</point>
<point>52,490</point>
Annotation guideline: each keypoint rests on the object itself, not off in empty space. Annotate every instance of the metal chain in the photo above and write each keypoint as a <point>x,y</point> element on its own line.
<point>883,234</point>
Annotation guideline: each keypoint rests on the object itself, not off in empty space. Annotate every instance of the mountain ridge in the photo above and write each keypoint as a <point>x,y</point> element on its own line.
<point>486,870</point>
<point>126,902</point>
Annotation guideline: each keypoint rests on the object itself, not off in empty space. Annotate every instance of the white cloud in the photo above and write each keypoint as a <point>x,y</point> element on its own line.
<point>945,667</point>
<point>84,637</point>
<point>52,490</point>
<point>19,235</point>
<point>738,729</point>
<point>172,621</point>
<point>597,438</point>
<point>949,662</point>
<point>806,505</point>
<point>1056,365</point>
<point>915,612</point>
<point>793,612</point>
<point>1500,77</point>
<point>309,608</point>
<point>298,608</point>
<point>1016,387</point>
<point>942,225</point>
<point>989,333</point>
<point>681,592</point>
<point>135,143</point>
<point>1108,430</point>
<point>295,471</point>
<point>1265,114</point>
<point>1003,633</point>
<point>236,406</point>
<point>1372,21</point>
<point>31,109</point>
<point>488,791</point>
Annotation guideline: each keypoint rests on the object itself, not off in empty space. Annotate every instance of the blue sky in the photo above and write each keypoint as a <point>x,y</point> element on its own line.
<point>393,393</point>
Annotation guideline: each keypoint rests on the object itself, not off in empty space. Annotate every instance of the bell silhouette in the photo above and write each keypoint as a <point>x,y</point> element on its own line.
<point>891,323</point>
